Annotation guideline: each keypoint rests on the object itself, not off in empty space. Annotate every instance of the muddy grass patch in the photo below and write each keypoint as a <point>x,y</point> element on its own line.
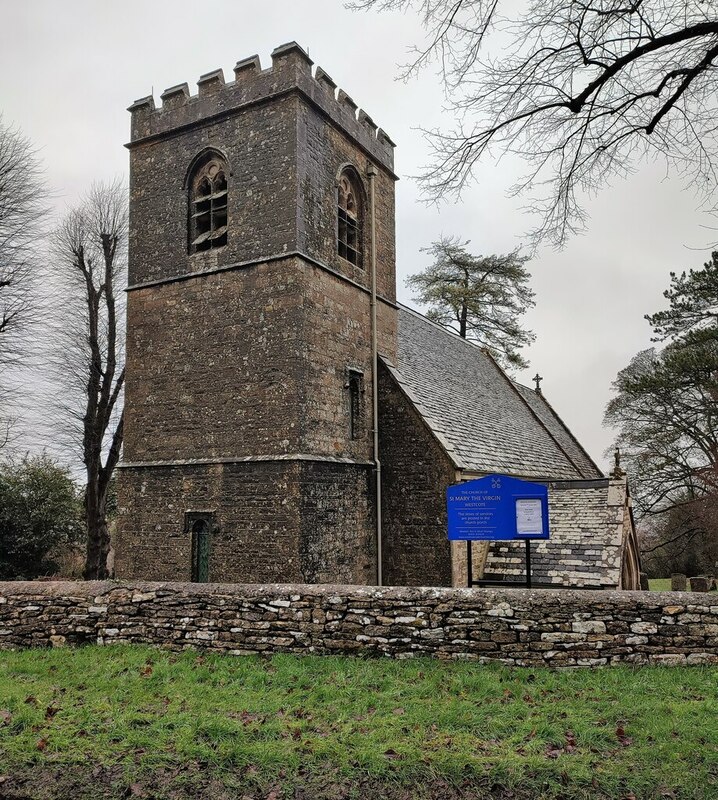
<point>136,722</point>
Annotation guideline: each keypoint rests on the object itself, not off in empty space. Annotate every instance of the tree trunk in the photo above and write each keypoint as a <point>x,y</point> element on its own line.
<point>98,537</point>
<point>463,318</point>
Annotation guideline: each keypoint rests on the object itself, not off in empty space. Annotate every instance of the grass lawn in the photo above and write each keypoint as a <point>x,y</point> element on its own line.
<point>131,722</point>
<point>661,585</point>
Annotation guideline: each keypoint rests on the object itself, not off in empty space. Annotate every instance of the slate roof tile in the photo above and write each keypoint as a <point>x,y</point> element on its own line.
<point>545,412</point>
<point>479,414</point>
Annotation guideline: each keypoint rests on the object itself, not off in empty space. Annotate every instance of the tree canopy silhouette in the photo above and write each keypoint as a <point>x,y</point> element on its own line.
<point>481,297</point>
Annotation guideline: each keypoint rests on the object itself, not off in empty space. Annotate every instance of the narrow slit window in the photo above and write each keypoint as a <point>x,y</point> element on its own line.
<point>208,206</point>
<point>349,232</point>
<point>355,390</point>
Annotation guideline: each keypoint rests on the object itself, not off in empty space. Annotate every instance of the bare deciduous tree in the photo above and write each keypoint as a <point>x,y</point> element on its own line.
<point>682,539</point>
<point>89,248</point>
<point>23,199</point>
<point>579,90</point>
<point>22,205</point>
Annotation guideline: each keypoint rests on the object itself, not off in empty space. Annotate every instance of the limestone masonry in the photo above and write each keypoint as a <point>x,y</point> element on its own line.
<point>558,628</point>
<point>257,208</point>
<point>247,450</point>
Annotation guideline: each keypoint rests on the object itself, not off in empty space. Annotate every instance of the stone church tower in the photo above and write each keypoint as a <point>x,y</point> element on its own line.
<point>248,450</point>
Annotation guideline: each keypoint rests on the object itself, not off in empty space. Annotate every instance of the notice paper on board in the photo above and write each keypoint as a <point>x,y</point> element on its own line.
<point>529,517</point>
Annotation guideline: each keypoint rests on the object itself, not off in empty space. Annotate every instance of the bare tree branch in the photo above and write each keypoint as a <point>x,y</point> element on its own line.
<point>580,91</point>
<point>23,199</point>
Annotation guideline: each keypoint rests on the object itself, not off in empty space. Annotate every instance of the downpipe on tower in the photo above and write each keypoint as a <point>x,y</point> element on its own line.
<point>371,174</point>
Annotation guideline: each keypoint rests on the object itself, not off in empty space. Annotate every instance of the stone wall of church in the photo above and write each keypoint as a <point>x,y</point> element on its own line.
<point>338,534</point>
<point>285,131</point>
<point>260,148</point>
<point>249,362</point>
<point>322,151</point>
<point>238,358</point>
<point>557,628</point>
<point>215,365</point>
<point>589,523</point>
<point>309,521</point>
<point>256,513</point>
<point>415,474</point>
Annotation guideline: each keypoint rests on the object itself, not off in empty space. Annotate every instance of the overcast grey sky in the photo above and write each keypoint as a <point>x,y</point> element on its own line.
<point>70,69</point>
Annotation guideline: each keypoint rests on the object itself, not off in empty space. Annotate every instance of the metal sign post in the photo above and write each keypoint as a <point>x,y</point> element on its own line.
<point>470,576</point>
<point>528,563</point>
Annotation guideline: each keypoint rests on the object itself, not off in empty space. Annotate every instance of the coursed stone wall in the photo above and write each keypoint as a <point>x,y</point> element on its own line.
<point>558,628</point>
<point>587,520</point>
<point>415,474</point>
<point>237,401</point>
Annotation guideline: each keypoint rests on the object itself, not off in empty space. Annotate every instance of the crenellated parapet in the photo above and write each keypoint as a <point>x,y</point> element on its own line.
<point>291,71</point>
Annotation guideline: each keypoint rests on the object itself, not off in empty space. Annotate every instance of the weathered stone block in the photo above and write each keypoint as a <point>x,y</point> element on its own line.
<point>679,582</point>
<point>504,636</point>
<point>644,627</point>
<point>671,659</point>
<point>701,583</point>
<point>589,626</point>
<point>562,637</point>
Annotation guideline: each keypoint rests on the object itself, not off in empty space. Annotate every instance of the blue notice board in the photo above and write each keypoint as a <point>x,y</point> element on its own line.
<point>497,507</point>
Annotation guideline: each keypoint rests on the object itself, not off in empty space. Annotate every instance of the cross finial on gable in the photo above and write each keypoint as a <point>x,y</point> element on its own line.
<point>537,378</point>
<point>617,471</point>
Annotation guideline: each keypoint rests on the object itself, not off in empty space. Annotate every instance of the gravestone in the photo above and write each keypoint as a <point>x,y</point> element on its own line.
<point>678,582</point>
<point>701,583</point>
<point>644,581</point>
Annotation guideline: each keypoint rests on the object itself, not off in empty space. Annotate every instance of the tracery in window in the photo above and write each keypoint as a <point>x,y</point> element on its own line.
<point>349,218</point>
<point>208,205</point>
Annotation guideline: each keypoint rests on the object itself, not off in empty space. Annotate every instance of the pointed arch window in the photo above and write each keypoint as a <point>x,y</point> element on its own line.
<point>208,204</point>
<point>200,525</point>
<point>349,214</point>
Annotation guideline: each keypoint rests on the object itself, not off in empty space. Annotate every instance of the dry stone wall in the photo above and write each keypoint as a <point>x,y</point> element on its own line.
<point>558,628</point>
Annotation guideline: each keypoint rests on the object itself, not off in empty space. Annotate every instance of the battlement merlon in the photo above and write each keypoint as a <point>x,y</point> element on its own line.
<point>291,71</point>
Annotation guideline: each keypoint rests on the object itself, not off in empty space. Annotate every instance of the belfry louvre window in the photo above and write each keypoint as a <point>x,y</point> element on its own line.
<point>349,218</point>
<point>208,205</point>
